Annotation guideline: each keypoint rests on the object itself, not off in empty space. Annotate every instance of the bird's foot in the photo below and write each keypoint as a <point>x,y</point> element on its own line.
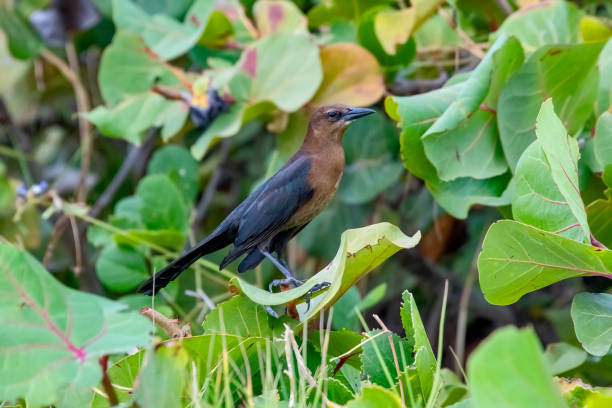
<point>296,282</point>
<point>271,311</point>
<point>287,281</point>
<point>314,289</point>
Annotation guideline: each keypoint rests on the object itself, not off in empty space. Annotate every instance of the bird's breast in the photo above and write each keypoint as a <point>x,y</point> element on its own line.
<point>324,177</point>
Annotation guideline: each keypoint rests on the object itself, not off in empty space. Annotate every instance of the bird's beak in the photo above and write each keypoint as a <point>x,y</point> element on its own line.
<point>355,113</point>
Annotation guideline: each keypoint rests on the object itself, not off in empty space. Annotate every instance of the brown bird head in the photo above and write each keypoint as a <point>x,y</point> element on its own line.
<point>328,123</point>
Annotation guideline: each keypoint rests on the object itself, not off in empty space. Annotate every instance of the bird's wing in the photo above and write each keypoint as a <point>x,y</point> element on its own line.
<point>279,198</point>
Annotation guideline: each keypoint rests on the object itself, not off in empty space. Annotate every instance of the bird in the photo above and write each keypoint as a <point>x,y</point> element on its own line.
<point>281,207</point>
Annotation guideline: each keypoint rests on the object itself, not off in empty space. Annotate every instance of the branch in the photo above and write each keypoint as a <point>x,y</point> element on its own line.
<point>70,72</point>
<point>403,87</point>
<point>469,44</point>
<point>134,157</point>
<point>106,382</point>
<point>167,325</point>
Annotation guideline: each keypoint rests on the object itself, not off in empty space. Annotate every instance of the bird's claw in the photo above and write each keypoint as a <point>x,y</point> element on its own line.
<point>312,290</point>
<point>286,281</point>
<point>271,311</point>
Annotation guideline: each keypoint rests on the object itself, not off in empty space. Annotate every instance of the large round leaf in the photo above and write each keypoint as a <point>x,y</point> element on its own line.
<point>351,75</point>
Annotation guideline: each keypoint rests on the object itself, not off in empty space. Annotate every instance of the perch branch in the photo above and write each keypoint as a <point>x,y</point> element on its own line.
<point>167,325</point>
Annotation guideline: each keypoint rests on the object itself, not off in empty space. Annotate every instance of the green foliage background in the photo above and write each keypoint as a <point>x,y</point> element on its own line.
<point>467,247</point>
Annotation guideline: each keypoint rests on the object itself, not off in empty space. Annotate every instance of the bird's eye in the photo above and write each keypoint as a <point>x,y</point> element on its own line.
<point>333,114</point>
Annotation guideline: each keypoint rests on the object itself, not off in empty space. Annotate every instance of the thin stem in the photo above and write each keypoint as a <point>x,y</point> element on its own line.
<point>106,382</point>
<point>71,73</point>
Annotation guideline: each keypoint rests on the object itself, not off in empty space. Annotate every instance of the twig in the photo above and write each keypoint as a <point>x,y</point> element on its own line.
<point>70,72</point>
<point>596,243</point>
<point>413,86</point>
<point>469,44</point>
<point>58,230</point>
<point>213,183</point>
<point>167,93</point>
<point>167,325</point>
<point>106,382</point>
<point>78,251</point>
<point>302,368</point>
<point>134,157</point>
<point>505,6</point>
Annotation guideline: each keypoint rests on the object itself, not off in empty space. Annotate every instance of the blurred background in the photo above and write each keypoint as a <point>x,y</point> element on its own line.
<point>178,109</point>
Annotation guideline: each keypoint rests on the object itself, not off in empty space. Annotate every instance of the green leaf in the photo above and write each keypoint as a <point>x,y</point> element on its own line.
<point>162,204</point>
<point>424,355</point>
<point>167,238</point>
<point>561,151</point>
<point>336,10</point>
<point>272,16</point>
<point>517,259</point>
<point>604,93</point>
<point>22,41</point>
<point>415,115</point>
<point>599,213</point>
<point>288,82</point>
<point>393,27</point>
<point>57,334</point>
<point>351,76</point>
<point>361,250</point>
<point>164,35</point>
<point>338,392</point>
<point>600,145</point>
<point>509,370</point>
<point>131,118</point>
<point>457,196</point>
<point>121,269</point>
<point>370,147</point>
<point>378,361</point>
<point>128,68</point>
<point>176,162</point>
<point>563,357</point>
<point>367,38</point>
<point>240,317</point>
<point>548,23</point>
<point>536,199</point>
<point>340,342</point>
<point>374,396</point>
<point>567,73</point>
<point>373,296</point>
<point>162,379</point>
<point>592,317</point>
<point>463,141</point>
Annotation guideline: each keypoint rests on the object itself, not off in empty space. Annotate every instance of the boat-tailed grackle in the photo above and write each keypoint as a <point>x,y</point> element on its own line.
<point>274,213</point>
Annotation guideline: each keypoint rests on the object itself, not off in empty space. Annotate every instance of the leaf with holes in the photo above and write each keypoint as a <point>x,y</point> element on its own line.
<point>361,250</point>
<point>517,259</point>
<point>592,317</point>
<point>57,334</point>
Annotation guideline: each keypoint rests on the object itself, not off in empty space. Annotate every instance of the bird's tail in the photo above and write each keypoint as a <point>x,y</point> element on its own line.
<point>212,243</point>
